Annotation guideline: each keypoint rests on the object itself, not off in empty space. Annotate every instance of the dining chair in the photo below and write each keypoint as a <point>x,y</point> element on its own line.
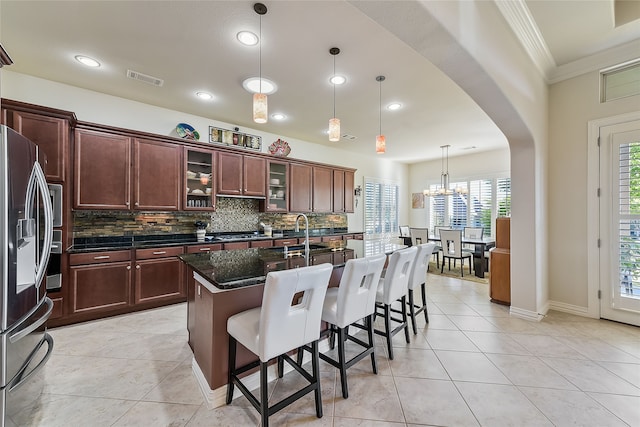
<point>452,249</point>
<point>277,327</point>
<point>418,280</point>
<point>353,300</point>
<point>393,287</point>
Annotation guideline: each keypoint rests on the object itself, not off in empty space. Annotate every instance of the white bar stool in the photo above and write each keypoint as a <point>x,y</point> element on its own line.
<point>418,279</point>
<point>352,301</point>
<point>393,286</point>
<point>278,327</point>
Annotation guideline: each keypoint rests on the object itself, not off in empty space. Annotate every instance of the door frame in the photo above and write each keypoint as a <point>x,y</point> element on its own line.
<point>593,206</point>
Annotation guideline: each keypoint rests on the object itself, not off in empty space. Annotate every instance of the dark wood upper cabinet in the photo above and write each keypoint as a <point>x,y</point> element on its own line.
<point>322,189</point>
<point>158,177</point>
<point>102,170</point>
<point>338,190</point>
<point>349,181</point>
<point>300,189</point>
<point>240,175</point>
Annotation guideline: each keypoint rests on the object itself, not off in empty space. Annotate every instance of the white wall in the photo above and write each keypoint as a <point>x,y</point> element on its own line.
<point>572,104</point>
<point>486,164</point>
<point>97,107</point>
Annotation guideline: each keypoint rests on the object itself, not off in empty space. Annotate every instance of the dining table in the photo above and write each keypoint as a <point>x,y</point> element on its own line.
<point>480,246</point>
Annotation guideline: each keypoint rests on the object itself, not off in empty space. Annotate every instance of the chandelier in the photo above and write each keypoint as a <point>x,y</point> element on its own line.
<point>443,189</point>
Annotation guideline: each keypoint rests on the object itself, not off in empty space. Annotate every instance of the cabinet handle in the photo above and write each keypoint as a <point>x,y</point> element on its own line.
<point>138,267</point>
<point>199,291</point>
<point>127,203</point>
<point>205,249</point>
<point>160,252</point>
<point>102,257</point>
<point>128,267</point>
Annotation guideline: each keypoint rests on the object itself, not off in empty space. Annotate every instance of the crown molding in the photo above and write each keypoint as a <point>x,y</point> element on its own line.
<point>519,18</point>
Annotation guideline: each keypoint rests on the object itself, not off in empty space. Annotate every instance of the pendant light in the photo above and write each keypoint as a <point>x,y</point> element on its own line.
<point>444,189</point>
<point>334,122</point>
<point>381,143</point>
<point>260,99</point>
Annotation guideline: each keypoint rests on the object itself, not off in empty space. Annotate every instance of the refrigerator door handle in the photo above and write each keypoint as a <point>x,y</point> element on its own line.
<point>37,177</point>
<point>21,378</point>
<point>35,325</point>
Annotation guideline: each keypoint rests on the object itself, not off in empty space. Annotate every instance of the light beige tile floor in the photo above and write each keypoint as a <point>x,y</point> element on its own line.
<point>472,365</point>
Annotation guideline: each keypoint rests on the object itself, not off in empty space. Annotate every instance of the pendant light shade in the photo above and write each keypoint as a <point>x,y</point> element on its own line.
<point>260,108</point>
<point>334,129</point>
<point>334,123</point>
<point>381,142</point>
<point>260,111</point>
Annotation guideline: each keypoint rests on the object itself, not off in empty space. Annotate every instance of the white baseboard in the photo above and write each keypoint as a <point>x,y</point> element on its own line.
<point>525,314</point>
<point>218,397</point>
<point>570,308</point>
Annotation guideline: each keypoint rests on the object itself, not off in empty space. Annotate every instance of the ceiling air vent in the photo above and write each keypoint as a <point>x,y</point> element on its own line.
<point>145,78</point>
<point>349,137</point>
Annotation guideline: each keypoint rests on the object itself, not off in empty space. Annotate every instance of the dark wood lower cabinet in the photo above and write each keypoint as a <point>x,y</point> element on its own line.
<point>159,280</point>
<point>100,288</point>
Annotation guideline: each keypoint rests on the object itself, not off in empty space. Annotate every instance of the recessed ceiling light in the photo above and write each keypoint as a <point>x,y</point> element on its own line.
<point>278,116</point>
<point>85,60</point>
<point>394,106</point>
<point>338,80</point>
<point>204,95</point>
<point>252,84</point>
<point>247,38</point>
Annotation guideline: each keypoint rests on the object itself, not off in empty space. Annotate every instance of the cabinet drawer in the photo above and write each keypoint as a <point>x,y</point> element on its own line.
<point>285,242</point>
<point>261,243</point>
<point>331,238</point>
<point>316,239</point>
<point>358,236</point>
<point>159,252</point>
<point>98,257</point>
<point>196,249</point>
<point>347,237</point>
<point>236,245</point>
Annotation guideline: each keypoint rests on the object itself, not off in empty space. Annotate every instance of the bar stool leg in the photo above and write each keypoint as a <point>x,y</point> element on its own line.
<point>232,368</point>
<point>424,301</point>
<point>315,363</point>
<point>341,361</point>
<point>281,365</point>
<point>369,322</point>
<point>264,395</point>
<point>387,326</point>
<point>404,318</point>
<point>412,312</point>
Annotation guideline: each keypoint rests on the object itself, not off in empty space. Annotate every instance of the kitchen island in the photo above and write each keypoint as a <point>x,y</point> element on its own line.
<point>224,283</point>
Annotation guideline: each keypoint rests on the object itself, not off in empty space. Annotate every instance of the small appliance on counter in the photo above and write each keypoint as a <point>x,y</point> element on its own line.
<point>26,227</point>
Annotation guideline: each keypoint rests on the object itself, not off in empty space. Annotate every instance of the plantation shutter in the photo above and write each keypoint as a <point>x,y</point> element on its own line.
<point>381,208</point>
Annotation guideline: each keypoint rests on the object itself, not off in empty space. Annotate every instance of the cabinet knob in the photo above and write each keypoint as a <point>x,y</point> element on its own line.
<point>127,203</point>
<point>128,267</point>
<point>138,267</point>
<point>137,204</point>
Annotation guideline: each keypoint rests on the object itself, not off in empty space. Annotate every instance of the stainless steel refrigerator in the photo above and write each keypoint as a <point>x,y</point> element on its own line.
<point>26,229</point>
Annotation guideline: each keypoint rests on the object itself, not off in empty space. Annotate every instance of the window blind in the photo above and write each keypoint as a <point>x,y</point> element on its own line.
<point>629,219</point>
<point>380,208</point>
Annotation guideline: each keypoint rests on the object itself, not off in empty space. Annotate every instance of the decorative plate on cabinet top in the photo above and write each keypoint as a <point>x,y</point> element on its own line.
<point>187,131</point>
<point>279,148</point>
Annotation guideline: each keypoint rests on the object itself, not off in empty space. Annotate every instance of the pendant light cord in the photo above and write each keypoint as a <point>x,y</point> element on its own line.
<point>260,55</point>
<point>334,86</point>
<point>380,105</point>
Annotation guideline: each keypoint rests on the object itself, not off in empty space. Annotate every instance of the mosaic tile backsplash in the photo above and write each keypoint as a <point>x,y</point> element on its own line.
<point>231,215</point>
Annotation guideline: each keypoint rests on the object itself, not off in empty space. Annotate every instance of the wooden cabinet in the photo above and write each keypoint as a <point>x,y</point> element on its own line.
<point>277,187</point>
<point>199,180</point>
<point>102,170</point>
<point>104,174</point>
<point>51,135</point>
<point>331,238</point>
<point>321,258</point>
<point>236,245</point>
<point>201,334</point>
<point>340,257</point>
<point>157,175</point>
<point>100,282</point>
<point>241,175</point>
<point>500,264</point>
<point>285,242</point>
<point>342,191</point>
<point>194,249</point>
<point>159,275</point>
<point>349,181</point>
<point>322,189</point>
<point>261,243</point>
<point>300,189</point>
<point>48,128</point>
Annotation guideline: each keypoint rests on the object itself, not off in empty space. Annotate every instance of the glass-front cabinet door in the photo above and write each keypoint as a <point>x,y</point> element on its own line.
<point>278,185</point>
<point>199,176</point>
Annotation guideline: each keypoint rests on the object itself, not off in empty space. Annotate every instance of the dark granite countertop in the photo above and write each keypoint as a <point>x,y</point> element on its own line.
<point>92,244</point>
<point>245,267</point>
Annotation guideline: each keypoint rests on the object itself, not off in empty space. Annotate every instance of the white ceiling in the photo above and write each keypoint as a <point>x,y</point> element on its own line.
<point>191,45</point>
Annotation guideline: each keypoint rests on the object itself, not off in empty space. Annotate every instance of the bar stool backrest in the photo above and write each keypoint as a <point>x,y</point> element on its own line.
<point>420,265</point>
<point>283,326</point>
<point>358,287</point>
<point>396,278</point>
